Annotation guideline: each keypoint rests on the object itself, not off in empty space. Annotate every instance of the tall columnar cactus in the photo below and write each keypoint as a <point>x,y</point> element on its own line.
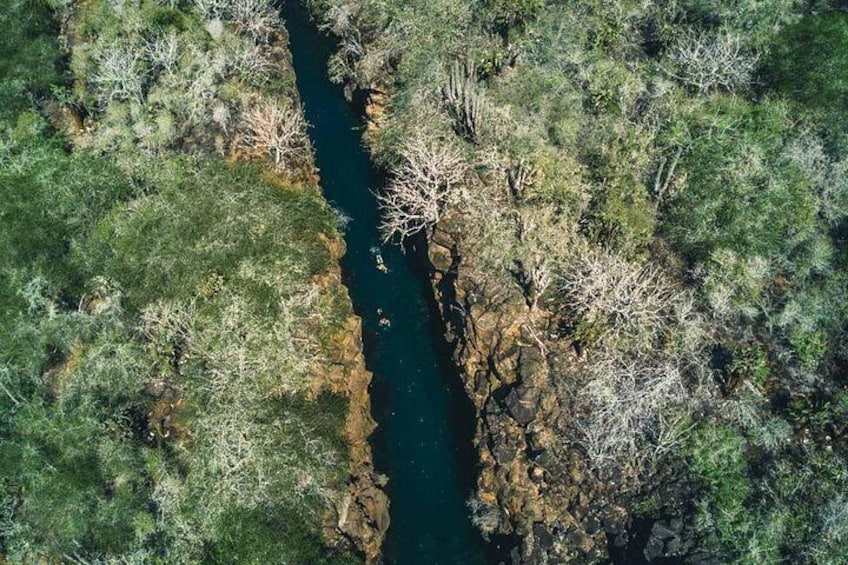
<point>465,101</point>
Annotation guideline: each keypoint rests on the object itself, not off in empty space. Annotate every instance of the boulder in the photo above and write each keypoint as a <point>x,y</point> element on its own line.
<point>522,411</point>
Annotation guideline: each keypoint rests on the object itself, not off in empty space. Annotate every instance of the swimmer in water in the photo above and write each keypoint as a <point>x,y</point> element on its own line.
<point>381,265</point>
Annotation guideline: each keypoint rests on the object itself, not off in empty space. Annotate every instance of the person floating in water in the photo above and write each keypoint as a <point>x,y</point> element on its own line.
<point>381,265</point>
<point>385,322</point>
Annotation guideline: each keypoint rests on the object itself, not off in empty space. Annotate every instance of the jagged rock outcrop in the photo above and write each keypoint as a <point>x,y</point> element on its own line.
<point>361,516</point>
<point>533,483</point>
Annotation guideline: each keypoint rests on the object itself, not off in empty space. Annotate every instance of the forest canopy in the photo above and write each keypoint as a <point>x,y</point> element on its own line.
<point>162,319</point>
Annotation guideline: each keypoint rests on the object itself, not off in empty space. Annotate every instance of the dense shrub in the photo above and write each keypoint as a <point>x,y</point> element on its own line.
<point>808,60</point>
<point>161,319</point>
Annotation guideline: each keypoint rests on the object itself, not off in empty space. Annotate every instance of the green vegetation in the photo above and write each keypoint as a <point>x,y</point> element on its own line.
<point>664,184</point>
<point>161,317</point>
<point>807,61</point>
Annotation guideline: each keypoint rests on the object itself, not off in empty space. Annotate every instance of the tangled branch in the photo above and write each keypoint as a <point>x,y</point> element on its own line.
<point>422,184</point>
<point>277,130</point>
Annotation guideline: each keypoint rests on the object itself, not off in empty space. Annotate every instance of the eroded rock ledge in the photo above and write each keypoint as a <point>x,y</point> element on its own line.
<point>360,517</point>
<point>532,483</point>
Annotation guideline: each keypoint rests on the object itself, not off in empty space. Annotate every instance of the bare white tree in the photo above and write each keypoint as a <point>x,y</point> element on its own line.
<point>278,130</point>
<point>645,363</point>
<point>623,404</point>
<point>164,51</point>
<point>255,17</point>
<point>120,74</point>
<point>212,9</point>
<point>624,301</point>
<point>246,61</point>
<point>422,184</point>
<point>710,62</point>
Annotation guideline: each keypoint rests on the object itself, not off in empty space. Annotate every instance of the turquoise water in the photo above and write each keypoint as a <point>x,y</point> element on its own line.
<point>425,421</point>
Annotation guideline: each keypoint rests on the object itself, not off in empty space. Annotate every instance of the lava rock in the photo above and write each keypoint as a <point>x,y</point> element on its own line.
<point>673,546</point>
<point>653,549</point>
<point>661,531</point>
<point>521,411</point>
<point>506,449</point>
<point>544,538</point>
<point>591,525</point>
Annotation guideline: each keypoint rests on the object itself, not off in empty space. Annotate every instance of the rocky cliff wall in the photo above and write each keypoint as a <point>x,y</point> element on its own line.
<point>532,484</point>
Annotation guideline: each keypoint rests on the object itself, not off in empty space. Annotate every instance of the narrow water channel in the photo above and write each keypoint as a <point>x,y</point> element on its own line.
<point>425,422</point>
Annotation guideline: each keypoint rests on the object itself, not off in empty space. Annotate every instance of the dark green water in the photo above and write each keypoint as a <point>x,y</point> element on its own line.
<point>425,422</point>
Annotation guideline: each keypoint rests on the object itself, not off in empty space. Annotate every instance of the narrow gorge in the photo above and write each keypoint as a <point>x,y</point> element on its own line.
<point>376,282</point>
<point>425,423</point>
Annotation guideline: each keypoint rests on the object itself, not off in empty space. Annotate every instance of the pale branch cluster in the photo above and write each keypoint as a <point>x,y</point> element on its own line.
<point>422,184</point>
<point>277,130</point>
<point>541,228</point>
<point>539,278</point>
<point>13,396</point>
<point>163,52</point>
<point>465,101</point>
<point>103,296</point>
<point>339,21</point>
<point>256,18</point>
<point>237,445</point>
<point>535,277</point>
<point>744,409</point>
<point>211,9</point>
<point>829,177</point>
<point>364,55</point>
<point>622,408</point>
<point>236,461</point>
<point>344,61</point>
<point>221,116</point>
<point>259,360</point>
<point>247,61</point>
<point>624,301</point>
<point>834,519</point>
<point>519,176</point>
<point>542,244</point>
<point>713,62</point>
<point>166,328</point>
<point>645,360</point>
<point>734,285</point>
<point>665,188</point>
<point>243,457</point>
<point>119,74</point>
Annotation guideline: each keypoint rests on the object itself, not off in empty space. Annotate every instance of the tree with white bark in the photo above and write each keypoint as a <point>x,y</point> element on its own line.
<point>119,74</point>
<point>712,62</point>
<point>645,357</point>
<point>276,130</point>
<point>428,177</point>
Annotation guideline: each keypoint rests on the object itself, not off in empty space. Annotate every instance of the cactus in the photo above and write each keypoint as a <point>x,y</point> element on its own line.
<point>519,176</point>
<point>465,101</point>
